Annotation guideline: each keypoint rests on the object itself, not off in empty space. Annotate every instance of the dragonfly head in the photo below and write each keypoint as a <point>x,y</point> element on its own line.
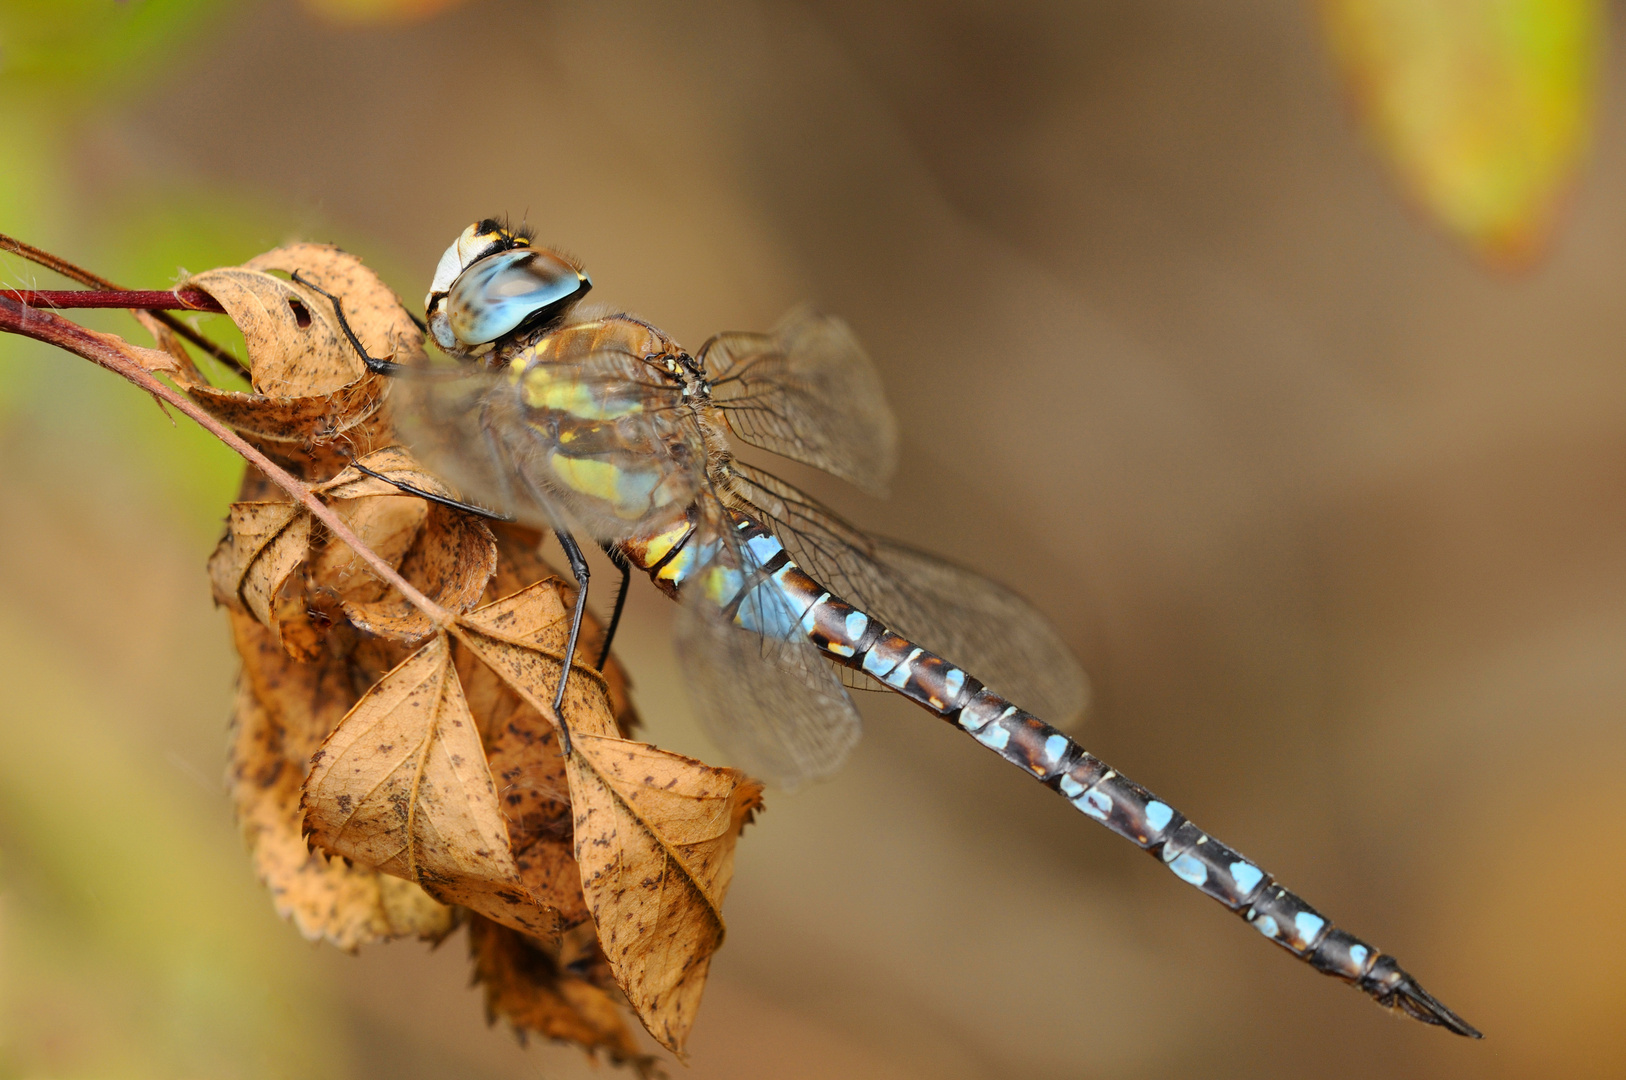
<point>491,283</point>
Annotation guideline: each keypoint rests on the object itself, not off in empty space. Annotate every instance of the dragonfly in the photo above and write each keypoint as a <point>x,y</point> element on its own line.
<point>595,423</point>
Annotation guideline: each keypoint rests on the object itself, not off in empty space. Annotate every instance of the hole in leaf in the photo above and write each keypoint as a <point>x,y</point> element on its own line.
<point>302,315</point>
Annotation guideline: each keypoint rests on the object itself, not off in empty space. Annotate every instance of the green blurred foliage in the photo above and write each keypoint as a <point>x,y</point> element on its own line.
<point>58,59</point>
<point>129,950</point>
<point>133,939</point>
<point>1483,107</point>
<point>74,50</point>
<point>359,12</point>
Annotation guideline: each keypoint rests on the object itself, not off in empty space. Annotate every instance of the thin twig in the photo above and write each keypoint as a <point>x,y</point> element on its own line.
<point>134,300</point>
<point>85,277</point>
<point>110,352</point>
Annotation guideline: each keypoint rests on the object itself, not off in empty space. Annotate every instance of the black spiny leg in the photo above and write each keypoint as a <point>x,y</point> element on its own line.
<point>375,365</point>
<point>578,570</point>
<point>620,562</point>
<point>467,508</point>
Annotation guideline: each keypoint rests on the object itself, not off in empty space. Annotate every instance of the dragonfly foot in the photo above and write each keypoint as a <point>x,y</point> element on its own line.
<point>374,364</point>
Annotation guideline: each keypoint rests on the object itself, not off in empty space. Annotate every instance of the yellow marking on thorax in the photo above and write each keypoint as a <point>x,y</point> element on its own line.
<point>599,479</point>
<point>554,388</point>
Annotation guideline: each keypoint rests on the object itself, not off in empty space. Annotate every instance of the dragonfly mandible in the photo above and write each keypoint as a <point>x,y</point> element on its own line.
<point>597,423</point>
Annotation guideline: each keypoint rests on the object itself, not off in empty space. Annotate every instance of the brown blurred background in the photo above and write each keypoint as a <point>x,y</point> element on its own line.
<point>1333,515</point>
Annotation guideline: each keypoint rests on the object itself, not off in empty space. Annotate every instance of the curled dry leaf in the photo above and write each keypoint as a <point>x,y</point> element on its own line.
<point>371,307</point>
<point>527,986</point>
<point>305,700</point>
<point>393,462</point>
<point>329,900</point>
<point>402,785</point>
<point>310,387</point>
<point>451,558</point>
<point>388,524</point>
<point>521,638</point>
<point>655,835</point>
<point>264,543</point>
<point>449,555</point>
<point>521,565</point>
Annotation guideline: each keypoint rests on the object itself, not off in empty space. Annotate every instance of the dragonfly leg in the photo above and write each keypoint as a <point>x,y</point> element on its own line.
<point>578,570</point>
<point>442,500</point>
<point>620,562</point>
<point>374,364</point>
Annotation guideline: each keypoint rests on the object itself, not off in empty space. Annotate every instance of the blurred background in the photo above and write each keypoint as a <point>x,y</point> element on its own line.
<point>1273,348</point>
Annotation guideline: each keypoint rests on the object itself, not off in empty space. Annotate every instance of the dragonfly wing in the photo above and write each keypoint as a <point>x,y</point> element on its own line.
<point>598,440</point>
<point>961,615</point>
<point>806,391</point>
<point>762,690</point>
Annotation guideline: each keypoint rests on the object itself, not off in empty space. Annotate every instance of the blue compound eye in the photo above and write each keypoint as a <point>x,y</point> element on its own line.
<point>508,290</point>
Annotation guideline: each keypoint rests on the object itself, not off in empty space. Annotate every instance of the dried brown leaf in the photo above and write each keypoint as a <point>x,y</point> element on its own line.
<point>388,524</point>
<point>523,751</point>
<point>287,426</point>
<point>371,307</point>
<point>294,343</point>
<point>527,986</point>
<point>447,554</point>
<point>655,835</point>
<point>653,831</point>
<point>310,386</point>
<point>450,561</point>
<point>520,564</point>
<point>306,701</point>
<point>329,900</point>
<point>264,543</point>
<point>521,638</point>
<point>384,518</point>
<point>402,785</point>
<point>394,462</point>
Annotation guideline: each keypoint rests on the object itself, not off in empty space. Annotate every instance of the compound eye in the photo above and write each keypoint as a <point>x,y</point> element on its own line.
<point>508,290</point>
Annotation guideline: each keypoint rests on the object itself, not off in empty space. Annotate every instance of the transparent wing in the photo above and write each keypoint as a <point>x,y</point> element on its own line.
<point>806,391</point>
<point>975,623</point>
<point>599,441</point>
<point>763,692</point>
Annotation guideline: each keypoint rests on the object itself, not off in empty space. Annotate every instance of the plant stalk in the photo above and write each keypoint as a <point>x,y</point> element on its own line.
<point>110,352</point>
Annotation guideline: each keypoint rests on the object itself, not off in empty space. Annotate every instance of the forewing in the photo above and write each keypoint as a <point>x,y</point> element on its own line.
<point>769,698</point>
<point>962,616</point>
<point>806,391</point>
<point>596,441</point>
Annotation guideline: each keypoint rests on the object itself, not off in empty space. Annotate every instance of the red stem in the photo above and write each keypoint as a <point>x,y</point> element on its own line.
<point>135,300</point>
<point>109,352</point>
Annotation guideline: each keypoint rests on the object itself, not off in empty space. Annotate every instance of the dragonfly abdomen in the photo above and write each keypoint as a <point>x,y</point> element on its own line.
<point>855,639</point>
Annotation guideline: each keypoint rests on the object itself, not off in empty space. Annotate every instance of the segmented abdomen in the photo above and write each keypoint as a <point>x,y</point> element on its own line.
<point>854,639</point>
